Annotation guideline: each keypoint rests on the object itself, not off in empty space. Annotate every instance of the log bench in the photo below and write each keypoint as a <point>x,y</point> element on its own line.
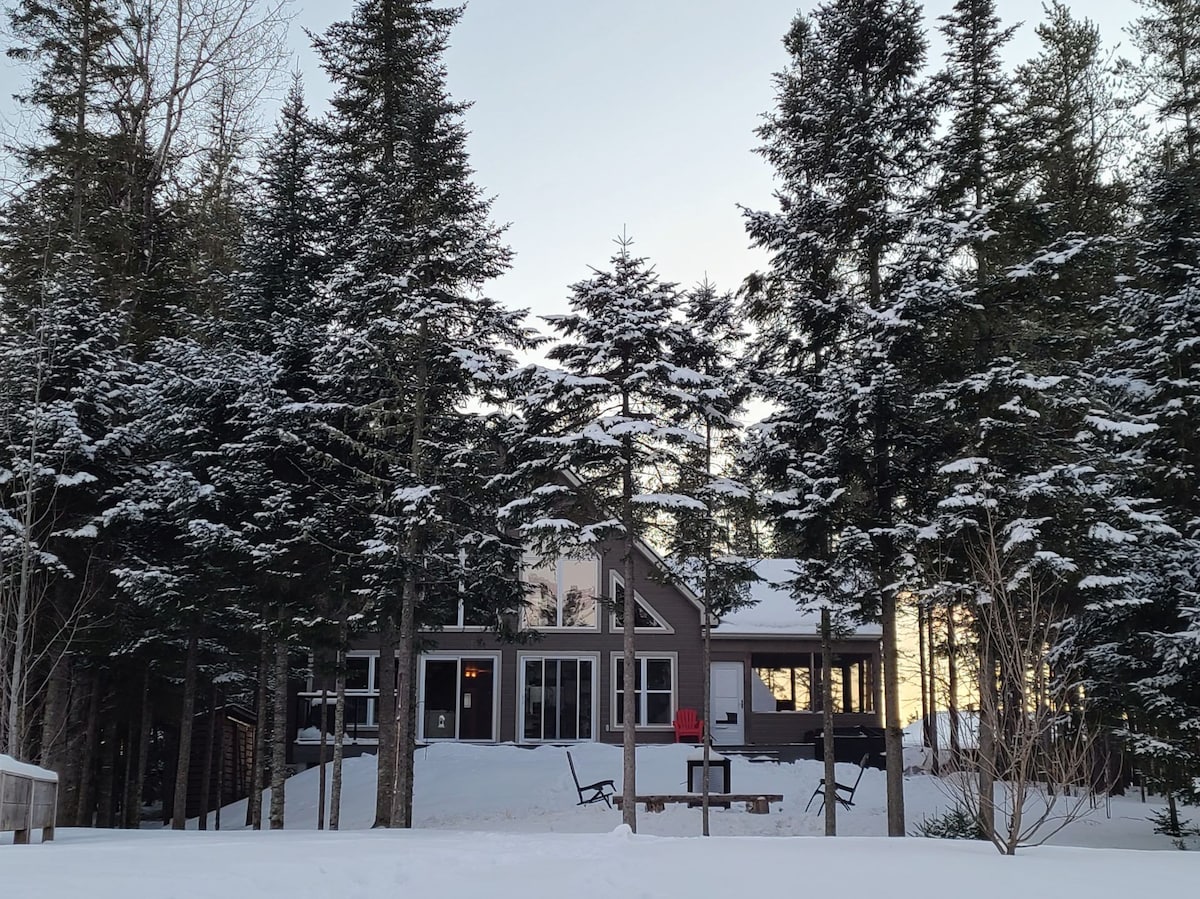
<point>756,803</point>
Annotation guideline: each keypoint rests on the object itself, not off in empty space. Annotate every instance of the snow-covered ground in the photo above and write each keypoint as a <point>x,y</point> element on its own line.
<point>509,789</point>
<point>503,821</point>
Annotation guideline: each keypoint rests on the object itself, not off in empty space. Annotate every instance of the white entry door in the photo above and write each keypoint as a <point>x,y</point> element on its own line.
<point>728,712</point>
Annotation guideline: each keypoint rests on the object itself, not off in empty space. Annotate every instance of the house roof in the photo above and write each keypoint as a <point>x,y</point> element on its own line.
<point>774,611</point>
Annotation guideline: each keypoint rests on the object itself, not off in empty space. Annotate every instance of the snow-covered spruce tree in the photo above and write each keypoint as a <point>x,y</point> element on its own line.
<point>415,342</point>
<point>1148,670</point>
<point>1030,478</point>
<point>702,540</point>
<point>601,433</point>
<point>837,345</point>
<point>59,393</point>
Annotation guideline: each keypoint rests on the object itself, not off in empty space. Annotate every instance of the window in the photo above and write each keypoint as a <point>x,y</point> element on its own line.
<point>361,690</point>
<point>562,593</point>
<point>654,686</point>
<point>458,696</point>
<point>644,618</point>
<point>557,697</point>
<point>791,682</point>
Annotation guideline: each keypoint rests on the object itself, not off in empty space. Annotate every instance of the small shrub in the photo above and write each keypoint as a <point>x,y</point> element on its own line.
<point>1182,832</point>
<point>955,824</point>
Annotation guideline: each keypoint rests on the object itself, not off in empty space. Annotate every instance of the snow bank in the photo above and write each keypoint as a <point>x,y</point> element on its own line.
<point>102,864</point>
<point>511,789</point>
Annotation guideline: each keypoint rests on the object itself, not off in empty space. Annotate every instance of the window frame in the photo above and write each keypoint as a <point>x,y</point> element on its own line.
<point>642,658</point>
<point>495,656</point>
<point>531,561</point>
<point>614,627</point>
<point>522,658</point>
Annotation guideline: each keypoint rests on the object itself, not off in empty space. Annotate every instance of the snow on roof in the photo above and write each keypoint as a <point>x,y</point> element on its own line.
<point>774,611</point>
<point>10,765</point>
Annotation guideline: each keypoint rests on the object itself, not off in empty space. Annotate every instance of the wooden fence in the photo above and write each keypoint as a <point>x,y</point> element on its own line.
<point>28,801</point>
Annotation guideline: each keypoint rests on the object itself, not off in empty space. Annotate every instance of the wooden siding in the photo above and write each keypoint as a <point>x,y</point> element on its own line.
<point>685,645</point>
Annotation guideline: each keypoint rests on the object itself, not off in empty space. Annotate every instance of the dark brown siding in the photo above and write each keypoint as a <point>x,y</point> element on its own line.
<point>672,606</point>
<point>685,644</point>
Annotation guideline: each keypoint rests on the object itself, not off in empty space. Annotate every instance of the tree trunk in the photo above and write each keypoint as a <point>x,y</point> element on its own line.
<point>891,701</point>
<point>827,724</point>
<point>258,772</point>
<point>385,788</point>
<point>279,733</point>
<point>952,682</point>
<point>55,711</point>
<point>987,737</point>
<point>135,795</point>
<point>339,735</point>
<point>106,776</point>
<point>629,646</point>
<point>187,712</point>
<point>87,759</point>
<point>321,755</point>
<point>922,673</point>
<point>206,772</point>
<point>406,737</point>
<point>934,740</point>
<point>406,709</point>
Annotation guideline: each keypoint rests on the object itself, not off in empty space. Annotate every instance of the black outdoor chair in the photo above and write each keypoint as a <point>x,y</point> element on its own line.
<point>597,789</point>
<point>843,794</point>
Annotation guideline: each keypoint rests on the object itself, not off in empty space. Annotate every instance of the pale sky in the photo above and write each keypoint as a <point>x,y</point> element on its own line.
<point>595,116</point>
<point>592,116</point>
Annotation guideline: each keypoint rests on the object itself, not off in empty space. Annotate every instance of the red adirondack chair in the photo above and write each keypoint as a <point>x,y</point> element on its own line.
<point>688,724</point>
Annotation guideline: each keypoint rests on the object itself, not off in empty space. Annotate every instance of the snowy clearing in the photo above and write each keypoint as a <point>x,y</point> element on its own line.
<point>504,819</point>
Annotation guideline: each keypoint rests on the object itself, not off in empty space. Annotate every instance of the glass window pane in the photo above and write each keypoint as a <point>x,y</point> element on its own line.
<point>658,674</point>
<point>358,669</point>
<point>579,591</point>
<point>533,699</point>
<point>585,699</point>
<point>658,708</point>
<point>541,608</point>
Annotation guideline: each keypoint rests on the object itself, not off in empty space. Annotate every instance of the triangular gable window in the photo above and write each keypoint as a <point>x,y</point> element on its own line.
<point>645,616</point>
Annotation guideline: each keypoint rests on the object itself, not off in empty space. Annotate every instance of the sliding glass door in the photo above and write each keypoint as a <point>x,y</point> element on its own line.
<point>458,698</point>
<point>558,698</point>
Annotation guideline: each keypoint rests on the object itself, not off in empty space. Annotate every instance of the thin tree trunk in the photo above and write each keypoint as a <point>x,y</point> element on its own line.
<point>206,771</point>
<point>706,728</point>
<point>279,733</point>
<point>406,709</point>
<point>921,664</point>
<point>406,737</point>
<point>133,808</point>
<point>106,776</point>
<point>894,738</point>
<point>258,765</point>
<point>827,724</point>
<point>321,772</point>
<point>386,713</point>
<point>952,682</point>
<point>987,737</point>
<point>339,732</point>
<point>629,646</point>
<point>222,721</point>
<point>934,740</point>
<point>183,762</point>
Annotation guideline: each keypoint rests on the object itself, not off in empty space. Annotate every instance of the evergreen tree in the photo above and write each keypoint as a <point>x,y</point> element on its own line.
<point>601,431</point>
<point>836,311</point>
<point>414,341</point>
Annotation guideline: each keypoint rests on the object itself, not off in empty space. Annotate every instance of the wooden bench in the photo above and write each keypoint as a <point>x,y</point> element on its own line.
<point>28,801</point>
<point>756,803</point>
